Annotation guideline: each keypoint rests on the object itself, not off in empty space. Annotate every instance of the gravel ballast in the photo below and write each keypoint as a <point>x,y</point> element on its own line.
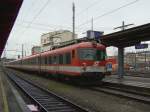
<point>94,101</point>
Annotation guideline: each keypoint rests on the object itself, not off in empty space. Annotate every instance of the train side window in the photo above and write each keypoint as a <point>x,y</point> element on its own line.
<point>68,58</point>
<point>35,60</point>
<point>28,61</point>
<point>41,60</point>
<point>73,53</point>
<point>60,59</point>
<point>49,60</point>
<point>32,61</point>
<point>54,60</point>
<point>64,58</point>
<point>45,59</point>
<point>57,59</point>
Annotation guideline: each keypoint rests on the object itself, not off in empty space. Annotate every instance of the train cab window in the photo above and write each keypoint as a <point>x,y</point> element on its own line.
<point>60,59</point>
<point>91,54</point>
<point>73,53</point>
<point>87,54</point>
<point>101,54</point>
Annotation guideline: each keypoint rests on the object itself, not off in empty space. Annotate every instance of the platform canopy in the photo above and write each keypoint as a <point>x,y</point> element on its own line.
<point>8,12</point>
<point>127,37</point>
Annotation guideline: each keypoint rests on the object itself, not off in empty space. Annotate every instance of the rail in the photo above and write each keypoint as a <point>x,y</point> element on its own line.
<point>46,100</point>
<point>135,93</point>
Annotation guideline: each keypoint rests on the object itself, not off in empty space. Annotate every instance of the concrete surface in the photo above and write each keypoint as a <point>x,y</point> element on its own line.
<point>129,80</point>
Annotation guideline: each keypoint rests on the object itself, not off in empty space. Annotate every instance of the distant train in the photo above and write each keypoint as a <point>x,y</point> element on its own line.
<point>85,60</point>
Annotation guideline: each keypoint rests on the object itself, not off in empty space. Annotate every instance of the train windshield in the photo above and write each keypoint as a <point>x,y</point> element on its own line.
<point>91,54</point>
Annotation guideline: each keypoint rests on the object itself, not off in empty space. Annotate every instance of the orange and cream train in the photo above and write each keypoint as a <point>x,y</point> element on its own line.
<point>81,60</point>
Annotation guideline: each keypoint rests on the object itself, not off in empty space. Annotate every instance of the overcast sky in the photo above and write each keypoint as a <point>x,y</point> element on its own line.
<point>41,16</point>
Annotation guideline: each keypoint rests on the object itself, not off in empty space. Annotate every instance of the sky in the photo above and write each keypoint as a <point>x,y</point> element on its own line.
<point>41,16</point>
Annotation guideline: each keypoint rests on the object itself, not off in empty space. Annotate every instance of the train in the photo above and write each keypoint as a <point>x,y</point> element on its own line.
<point>84,60</point>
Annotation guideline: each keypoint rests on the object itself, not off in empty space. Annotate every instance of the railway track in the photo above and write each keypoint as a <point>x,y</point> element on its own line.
<point>124,91</point>
<point>46,100</point>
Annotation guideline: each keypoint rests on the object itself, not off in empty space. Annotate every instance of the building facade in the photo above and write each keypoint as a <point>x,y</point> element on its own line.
<point>51,39</point>
<point>36,49</point>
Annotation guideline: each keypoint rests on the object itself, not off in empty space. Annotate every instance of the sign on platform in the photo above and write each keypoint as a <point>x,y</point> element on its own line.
<point>141,46</point>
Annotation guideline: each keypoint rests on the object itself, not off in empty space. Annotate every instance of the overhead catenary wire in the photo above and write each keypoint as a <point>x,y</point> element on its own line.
<point>35,17</point>
<point>90,6</point>
<point>109,12</point>
<point>42,24</point>
<point>31,7</point>
<point>85,9</point>
<point>27,13</point>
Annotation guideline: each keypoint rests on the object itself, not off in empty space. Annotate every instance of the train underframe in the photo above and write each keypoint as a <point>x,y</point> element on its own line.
<point>83,78</point>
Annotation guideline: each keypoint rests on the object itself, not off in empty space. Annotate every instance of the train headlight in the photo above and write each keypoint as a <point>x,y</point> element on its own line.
<point>96,63</point>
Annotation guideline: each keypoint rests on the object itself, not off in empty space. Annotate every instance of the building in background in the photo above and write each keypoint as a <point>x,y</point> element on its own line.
<point>48,40</point>
<point>36,49</point>
<point>139,60</point>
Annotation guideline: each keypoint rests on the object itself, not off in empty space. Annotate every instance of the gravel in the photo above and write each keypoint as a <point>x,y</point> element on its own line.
<point>94,101</point>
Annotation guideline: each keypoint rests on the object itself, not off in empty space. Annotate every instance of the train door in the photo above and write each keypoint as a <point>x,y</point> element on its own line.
<point>73,55</point>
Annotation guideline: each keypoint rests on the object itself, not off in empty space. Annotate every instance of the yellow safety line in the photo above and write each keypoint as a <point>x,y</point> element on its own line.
<point>4,96</point>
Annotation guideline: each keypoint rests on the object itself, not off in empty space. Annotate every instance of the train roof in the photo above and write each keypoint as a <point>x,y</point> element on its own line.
<point>65,49</point>
<point>74,46</point>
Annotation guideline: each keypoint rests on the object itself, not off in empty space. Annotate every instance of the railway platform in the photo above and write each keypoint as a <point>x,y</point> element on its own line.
<point>129,81</point>
<point>10,99</point>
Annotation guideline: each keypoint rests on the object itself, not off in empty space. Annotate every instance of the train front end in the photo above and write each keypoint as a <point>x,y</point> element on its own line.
<point>92,60</point>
